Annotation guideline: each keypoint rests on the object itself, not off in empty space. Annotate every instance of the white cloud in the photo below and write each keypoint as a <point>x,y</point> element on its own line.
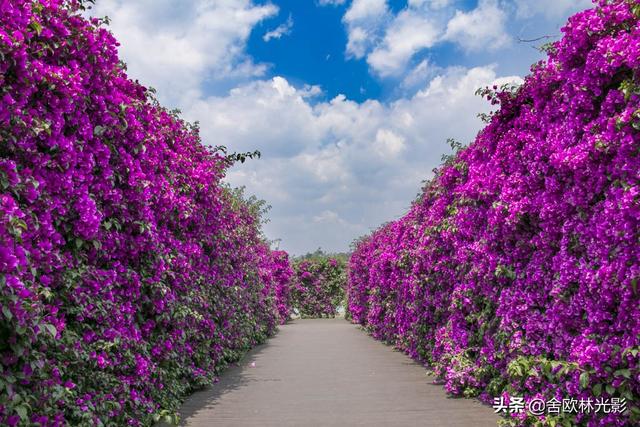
<point>333,170</point>
<point>176,48</point>
<point>388,144</point>
<point>433,4</point>
<point>365,9</point>
<point>310,91</point>
<point>271,114</point>
<point>550,8</point>
<point>357,42</point>
<point>391,42</point>
<point>409,33</point>
<point>279,31</point>
<point>331,2</point>
<point>482,28</point>
<point>364,20</point>
<point>329,216</point>
<point>419,75</point>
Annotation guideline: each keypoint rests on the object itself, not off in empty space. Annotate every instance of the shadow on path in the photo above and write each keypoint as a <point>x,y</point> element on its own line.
<point>233,379</point>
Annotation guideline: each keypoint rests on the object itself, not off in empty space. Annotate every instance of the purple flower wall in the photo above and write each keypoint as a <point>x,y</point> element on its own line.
<point>281,275</point>
<point>318,288</point>
<point>516,271</point>
<point>128,274</point>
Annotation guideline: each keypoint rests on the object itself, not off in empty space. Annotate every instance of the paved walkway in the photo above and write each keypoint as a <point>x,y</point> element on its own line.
<point>327,372</point>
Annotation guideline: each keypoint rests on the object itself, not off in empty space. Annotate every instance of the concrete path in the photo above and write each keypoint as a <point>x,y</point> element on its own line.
<point>327,372</point>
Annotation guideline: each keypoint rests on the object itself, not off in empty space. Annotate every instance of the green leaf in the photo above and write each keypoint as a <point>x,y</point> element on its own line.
<point>52,329</point>
<point>7,313</point>
<point>19,223</point>
<point>584,380</point>
<point>172,419</point>
<point>99,130</point>
<point>35,26</point>
<point>610,389</point>
<point>623,372</point>
<point>597,390</point>
<point>4,182</point>
<point>22,413</point>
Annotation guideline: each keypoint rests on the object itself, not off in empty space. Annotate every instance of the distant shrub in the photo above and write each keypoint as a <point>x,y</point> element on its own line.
<point>319,285</point>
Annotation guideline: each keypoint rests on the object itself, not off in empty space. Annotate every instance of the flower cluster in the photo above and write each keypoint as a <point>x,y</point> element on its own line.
<point>129,275</point>
<point>318,288</point>
<point>515,273</point>
<point>280,281</point>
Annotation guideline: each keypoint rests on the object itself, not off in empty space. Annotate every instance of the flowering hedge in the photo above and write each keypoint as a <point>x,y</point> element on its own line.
<point>282,274</point>
<point>128,274</point>
<point>516,271</point>
<point>319,286</point>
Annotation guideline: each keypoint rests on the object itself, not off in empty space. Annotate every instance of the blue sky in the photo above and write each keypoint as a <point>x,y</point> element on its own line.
<point>349,101</point>
<point>313,49</point>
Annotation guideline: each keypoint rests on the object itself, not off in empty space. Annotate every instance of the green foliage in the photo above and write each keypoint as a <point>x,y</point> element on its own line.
<point>320,281</point>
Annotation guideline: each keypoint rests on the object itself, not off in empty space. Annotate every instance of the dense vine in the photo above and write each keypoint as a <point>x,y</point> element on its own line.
<point>516,271</point>
<point>128,274</point>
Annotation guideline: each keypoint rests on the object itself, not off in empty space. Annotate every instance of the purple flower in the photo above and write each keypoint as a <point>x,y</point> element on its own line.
<point>520,257</point>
